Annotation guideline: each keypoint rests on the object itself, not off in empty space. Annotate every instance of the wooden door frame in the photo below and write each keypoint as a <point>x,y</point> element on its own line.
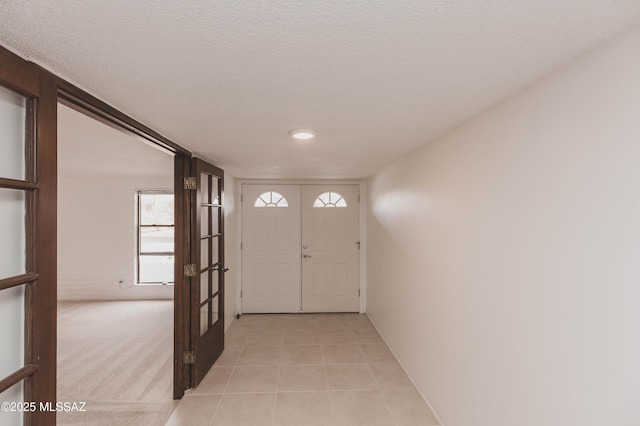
<point>39,370</point>
<point>41,323</point>
<point>182,285</point>
<point>80,100</point>
<point>362,225</point>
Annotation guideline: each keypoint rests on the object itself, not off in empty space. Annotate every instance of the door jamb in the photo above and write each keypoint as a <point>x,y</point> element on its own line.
<point>362,210</point>
<point>76,98</point>
<point>54,89</point>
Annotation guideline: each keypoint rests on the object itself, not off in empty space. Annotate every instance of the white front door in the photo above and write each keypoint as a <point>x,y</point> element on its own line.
<point>270,248</point>
<point>330,248</point>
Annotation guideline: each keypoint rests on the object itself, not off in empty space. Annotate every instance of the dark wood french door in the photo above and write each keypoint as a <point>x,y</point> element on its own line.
<point>28,210</point>
<point>27,243</point>
<point>207,269</point>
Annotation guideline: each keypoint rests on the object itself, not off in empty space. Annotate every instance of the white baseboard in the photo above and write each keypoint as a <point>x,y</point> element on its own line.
<point>407,373</point>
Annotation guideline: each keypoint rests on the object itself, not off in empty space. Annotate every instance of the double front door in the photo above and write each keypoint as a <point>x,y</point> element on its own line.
<point>300,248</point>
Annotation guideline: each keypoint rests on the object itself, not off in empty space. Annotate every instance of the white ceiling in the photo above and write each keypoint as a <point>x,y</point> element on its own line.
<point>89,148</point>
<point>375,78</point>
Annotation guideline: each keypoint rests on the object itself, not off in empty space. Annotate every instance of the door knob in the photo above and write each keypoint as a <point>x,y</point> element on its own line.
<point>306,256</point>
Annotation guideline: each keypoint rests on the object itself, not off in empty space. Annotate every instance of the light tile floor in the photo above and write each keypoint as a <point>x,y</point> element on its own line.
<point>304,369</point>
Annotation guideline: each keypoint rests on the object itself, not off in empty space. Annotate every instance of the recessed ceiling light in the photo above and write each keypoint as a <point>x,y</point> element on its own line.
<point>302,134</point>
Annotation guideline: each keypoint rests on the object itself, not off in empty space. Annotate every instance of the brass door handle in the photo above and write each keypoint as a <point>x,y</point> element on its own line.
<point>306,256</point>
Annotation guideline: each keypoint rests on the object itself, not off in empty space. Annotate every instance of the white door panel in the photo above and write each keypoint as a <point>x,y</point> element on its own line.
<point>271,249</point>
<point>330,248</point>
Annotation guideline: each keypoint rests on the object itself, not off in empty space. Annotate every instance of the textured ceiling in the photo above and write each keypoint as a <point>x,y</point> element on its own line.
<point>88,148</point>
<point>375,78</point>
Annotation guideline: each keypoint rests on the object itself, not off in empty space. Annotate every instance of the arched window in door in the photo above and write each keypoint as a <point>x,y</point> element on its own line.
<point>271,199</point>
<point>330,199</point>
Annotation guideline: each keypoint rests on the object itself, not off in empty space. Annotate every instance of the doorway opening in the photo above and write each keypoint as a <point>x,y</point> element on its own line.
<point>115,273</point>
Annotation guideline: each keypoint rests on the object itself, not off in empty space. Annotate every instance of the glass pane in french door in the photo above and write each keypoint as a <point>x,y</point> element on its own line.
<point>205,212</point>
<point>215,226</point>
<point>204,252</point>
<point>13,127</point>
<point>215,256</point>
<point>13,242</point>
<point>209,225</point>
<point>204,286</point>
<point>204,317</point>
<point>204,188</point>
<point>215,191</point>
<point>11,330</point>
<point>214,282</point>
<point>215,311</point>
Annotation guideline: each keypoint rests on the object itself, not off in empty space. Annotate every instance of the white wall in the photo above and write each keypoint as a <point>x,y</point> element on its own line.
<point>504,258</point>
<point>230,247</point>
<point>96,238</point>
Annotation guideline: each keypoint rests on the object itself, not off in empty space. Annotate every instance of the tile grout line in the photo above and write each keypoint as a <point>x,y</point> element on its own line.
<point>275,398</point>
<point>296,391</point>
<point>216,410</point>
<point>224,391</point>
<point>386,403</point>
<point>326,377</point>
<point>384,398</point>
<point>331,410</point>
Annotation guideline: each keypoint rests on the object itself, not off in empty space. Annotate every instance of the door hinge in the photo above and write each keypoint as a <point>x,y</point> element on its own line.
<point>190,183</point>
<point>190,270</point>
<point>358,243</point>
<point>358,292</point>
<point>241,294</point>
<point>240,245</point>
<point>358,197</point>
<point>241,197</point>
<point>189,357</point>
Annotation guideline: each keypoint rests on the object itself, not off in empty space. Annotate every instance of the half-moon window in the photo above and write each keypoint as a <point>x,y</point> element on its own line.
<point>271,199</point>
<point>330,199</point>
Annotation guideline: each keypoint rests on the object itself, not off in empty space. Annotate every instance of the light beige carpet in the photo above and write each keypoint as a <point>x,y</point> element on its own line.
<point>117,357</point>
